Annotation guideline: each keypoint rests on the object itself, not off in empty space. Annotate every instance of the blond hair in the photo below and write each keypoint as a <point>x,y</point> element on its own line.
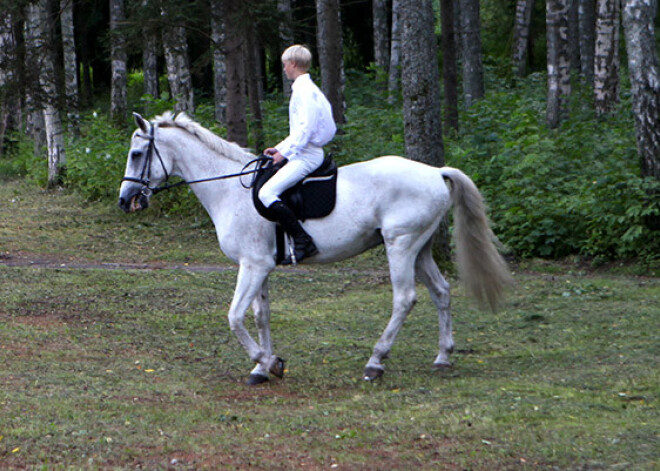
<point>299,55</point>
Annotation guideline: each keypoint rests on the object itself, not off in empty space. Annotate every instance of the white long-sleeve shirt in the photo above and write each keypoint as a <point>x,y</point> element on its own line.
<point>311,125</point>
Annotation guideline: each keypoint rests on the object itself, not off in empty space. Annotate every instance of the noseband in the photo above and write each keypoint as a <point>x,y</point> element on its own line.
<point>145,174</point>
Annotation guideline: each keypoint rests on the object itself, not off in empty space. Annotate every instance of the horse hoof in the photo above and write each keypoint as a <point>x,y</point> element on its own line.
<point>442,365</point>
<point>277,368</point>
<point>371,373</point>
<point>255,379</point>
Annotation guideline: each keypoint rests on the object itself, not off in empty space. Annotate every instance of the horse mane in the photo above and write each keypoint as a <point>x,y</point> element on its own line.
<point>209,139</point>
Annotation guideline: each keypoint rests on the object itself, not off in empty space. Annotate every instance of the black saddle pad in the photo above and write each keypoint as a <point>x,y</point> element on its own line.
<point>314,197</point>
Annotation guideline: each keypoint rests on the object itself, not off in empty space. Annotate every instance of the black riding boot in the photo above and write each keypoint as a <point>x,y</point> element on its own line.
<point>303,245</point>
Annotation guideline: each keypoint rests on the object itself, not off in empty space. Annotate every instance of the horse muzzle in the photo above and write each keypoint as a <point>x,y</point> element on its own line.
<point>136,201</point>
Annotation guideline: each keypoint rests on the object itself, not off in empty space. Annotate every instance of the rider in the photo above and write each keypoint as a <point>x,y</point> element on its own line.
<point>311,126</point>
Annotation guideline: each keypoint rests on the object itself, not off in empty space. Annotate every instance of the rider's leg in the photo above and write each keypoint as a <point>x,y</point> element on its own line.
<point>285,178</point>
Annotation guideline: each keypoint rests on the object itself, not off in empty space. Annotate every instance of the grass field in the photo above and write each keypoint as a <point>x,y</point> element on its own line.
<point>134,367</point>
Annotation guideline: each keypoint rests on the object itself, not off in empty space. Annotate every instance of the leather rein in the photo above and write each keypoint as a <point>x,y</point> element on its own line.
<point>145,174</point>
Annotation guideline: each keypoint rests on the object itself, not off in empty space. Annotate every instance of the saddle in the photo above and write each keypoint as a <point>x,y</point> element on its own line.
<point>314,197</point>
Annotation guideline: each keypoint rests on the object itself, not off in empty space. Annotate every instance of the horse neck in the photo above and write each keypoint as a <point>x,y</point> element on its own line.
<point>193,160</point>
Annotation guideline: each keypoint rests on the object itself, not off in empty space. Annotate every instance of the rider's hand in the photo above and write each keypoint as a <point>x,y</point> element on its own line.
<point>275,154</point>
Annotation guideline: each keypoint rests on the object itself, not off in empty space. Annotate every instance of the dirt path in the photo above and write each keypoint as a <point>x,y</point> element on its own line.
<point>23,259</point>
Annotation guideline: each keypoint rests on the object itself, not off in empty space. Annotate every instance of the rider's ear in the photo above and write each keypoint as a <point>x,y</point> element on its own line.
<point>141,123</point>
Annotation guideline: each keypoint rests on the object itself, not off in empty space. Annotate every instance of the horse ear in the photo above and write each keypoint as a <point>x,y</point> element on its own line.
<point>141,123</point>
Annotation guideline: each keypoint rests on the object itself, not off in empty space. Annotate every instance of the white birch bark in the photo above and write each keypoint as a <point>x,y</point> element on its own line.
<point>176,58</point>
<point>638,22</point>
<point>521,27</point>
<point>119,85</point>
<point>559,84</point>
<point>219,63</point>
<point>71,89</point>
<point>394,79</point>
<point>606,56</point>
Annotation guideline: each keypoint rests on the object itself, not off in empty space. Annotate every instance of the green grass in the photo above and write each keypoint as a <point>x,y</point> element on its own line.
<point>126,369</point>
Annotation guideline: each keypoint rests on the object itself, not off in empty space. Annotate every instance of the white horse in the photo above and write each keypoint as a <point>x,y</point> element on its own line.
<point>389,200</point>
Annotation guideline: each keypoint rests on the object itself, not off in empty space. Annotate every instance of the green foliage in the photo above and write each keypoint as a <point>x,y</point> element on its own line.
<point>551,193</point>
<point>555,193</point>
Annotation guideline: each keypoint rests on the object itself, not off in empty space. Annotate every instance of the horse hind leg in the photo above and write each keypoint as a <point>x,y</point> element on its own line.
<point>401,256</point>
<point>429,273</point>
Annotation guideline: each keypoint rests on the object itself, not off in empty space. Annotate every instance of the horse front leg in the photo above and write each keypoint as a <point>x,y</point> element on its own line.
<point>249,283</point>
<point>261,310</point>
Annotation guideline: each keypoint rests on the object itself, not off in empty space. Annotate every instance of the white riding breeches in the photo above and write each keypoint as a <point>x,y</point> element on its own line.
<point>293,172</point>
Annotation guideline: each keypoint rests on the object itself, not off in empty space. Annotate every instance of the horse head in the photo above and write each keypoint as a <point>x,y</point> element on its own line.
<point>146,168</point>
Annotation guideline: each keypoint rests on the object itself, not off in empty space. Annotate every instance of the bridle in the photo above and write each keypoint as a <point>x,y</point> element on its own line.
<point>145,173</point>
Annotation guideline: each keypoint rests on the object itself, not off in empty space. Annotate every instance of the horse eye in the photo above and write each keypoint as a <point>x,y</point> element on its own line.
<point>136,154</point>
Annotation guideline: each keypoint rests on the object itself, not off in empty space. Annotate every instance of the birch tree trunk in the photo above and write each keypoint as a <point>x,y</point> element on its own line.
<point>587,13</point>
<point>41,23</point>
<point>573,44</point>
<point>150,53</point>
<point>521,28</point>
<point>219,63</point>
<point>71,89</point>
<point>449,72</point>
<point>119,85</point>
<point>473,71</point>
<point>35,126</point>
<point>394,75</point>
<point>175,47</point>
<point>638,22</point>
<point>286,38</point>
<point>330,47</point>
<point>381,34</point>
<point>606,62</point>
<point>559,77</point>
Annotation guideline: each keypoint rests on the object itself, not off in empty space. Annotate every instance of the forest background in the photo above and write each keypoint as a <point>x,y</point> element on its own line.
<point>551,107</point>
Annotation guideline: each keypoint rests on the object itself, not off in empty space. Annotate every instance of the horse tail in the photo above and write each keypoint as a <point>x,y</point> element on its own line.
<point>480,266</point>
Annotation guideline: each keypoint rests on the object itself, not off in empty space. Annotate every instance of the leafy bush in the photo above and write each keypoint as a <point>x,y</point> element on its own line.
<point>554,193</point>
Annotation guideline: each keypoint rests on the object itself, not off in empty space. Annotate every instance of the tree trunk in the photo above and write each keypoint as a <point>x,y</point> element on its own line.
<point>381,34</point>
<point>233,49</point>
<point>638,22</point>
<point>587,13</point>
<point>421,83</point>
<point>422,114</point>
<point>559,77</point>
<point>10,102</point>
<point>286,38</point>
<point>449,72</point>
<point>329,43</point>
<point>71,89</point>
<point>176,58</point>
<point>394,74</point>
<point>521,28</point>
<point>150,55</point>
<point>254,74</point>
<point>119,86</point>
<point>33,94</point>
<point>40,23</point>
<point>473,71</point>
<point>573,42</point>
<point>606,63</point>
<point>219,63</point>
